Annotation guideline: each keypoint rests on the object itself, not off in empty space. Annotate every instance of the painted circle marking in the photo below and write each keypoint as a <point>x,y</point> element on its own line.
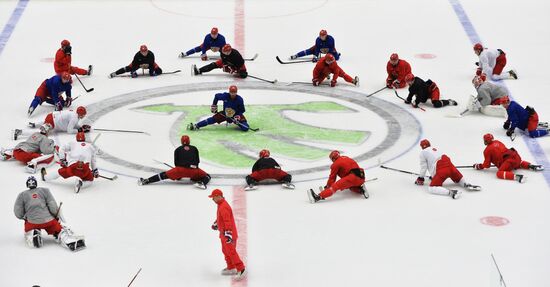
<point>494,220</point>
<point>425,56</point>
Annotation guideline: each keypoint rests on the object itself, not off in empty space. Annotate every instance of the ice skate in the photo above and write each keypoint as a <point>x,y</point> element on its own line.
<point>143,181</point>
<point>200,185</point>
<point>194,70</point>
<point>452,102</point>
<point>313,197</point>
<point>4,155</point>
<point>543,124</point>
<point>472,187</point>
<point>364,191</point>
<point>513,74</point>
<point>192,127</point>
<point>536,167</point>
<point>112,75</point>
<point>90,70</point>
<point>77,185</point>
<point>30,111</point>
<point>226,271</point>
<point>288,185</point>
<point>455,194</point>
<point>31,125</point>
<point>250,187</point>
<point>182,55</point>
<point>356,81</point>
<point>16,133</point>
<point>240,275</point>
<point>30,168</point>
<point>520,178</point>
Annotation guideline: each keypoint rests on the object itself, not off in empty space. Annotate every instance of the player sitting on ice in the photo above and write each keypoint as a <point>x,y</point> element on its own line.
<point>352,177</point>
<point>324,44</point>
<point>62,121</point>
<point>523,118</point>
<point>213,41</point>
<point>144,59</point>
<point>397,70</point>
<point>424,91</point>
<point>230,60</point>
<point>77,159</point>
<point>489,98</point>
<point>63,60</point>
<point>492,62</point>
<point>37,150</point>
<point>267,168</point>
<point>38,208</point>
<point>51,90</point>
<point>440,167</point>
<point>506,160</point>
<point>327,65</point>
<point>233,111</point>
<point>186,165</point>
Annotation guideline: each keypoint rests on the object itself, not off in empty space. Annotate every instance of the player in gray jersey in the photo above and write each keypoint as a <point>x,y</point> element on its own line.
<point>37,150</point>
<point>489,98</point>
<point>38,208</point>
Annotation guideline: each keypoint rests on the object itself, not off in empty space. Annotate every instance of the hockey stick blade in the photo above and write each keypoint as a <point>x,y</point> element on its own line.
<point>261,79</point>
<point>87,90</point>
<point>108,178</point>
<point>372,94</point>
<point>292,62</point>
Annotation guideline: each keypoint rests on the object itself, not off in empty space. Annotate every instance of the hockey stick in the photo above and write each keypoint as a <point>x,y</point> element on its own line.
<point>58,210</point>
<point>371,179</point>
<point>161,162</point>
<point>134,277</point>
<point>395,91</point>
<point>310,83</point>
<point>218,57</point>
<point>87,90</point>
<point>469,166</point>
<point>501,279</point>
<point>293,62</point>
<point>108,178</point>
<point>258,78</point>
<point>377,91</point>
<point>239,123</point>
<point>404,171</point>
<point>122,131</point>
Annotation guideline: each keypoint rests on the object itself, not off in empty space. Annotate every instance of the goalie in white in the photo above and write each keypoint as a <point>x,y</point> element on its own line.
<point>489,99</point>
<point>37,150</point>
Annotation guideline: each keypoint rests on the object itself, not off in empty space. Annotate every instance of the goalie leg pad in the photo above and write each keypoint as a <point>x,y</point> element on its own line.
<point>69,240</point>
<point>34,238</point>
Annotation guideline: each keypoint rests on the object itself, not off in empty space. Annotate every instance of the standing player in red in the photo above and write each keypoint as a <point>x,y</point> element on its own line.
<point>63,60</point>
<point>351,176</point>
<point>397,70</point>
<point>225,224</point>
<point>267,168</point>
<point>506,160</point>
<point>327,65</point>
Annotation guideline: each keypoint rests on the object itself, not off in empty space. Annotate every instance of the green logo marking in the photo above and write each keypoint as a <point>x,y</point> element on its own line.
<point>224,145</point>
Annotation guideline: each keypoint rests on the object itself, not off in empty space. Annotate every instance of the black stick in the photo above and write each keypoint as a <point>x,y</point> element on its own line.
<point>173,72</point>
<point>108,178</point>
<point>87,90</point>
<point>58,210</point>
<point>377,91</point>
<point>292,62</point>
<point>163,163</point>
<point>121,131</point>
<point>310,83</point>
<point>395,91</point>
<point>134,277</point>
<point>469,166</point>
<point>404,171</point>
<point>261,79</point>
<point>218,57</point>
<point>239,123</point>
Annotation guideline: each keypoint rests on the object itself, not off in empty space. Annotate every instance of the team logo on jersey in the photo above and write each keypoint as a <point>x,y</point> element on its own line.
<point>299,124</point>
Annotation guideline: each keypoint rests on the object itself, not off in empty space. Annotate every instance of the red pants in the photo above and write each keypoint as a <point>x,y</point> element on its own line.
<point>511,160</point>
<point>434,92</point>
<point>500,101</point>
<point>324,74</point>
<point>24,156</point>
<point>533,122</point>
<point>500,63</point>
<point>232,258</point>
<point>52,226</point>
<point>351,181</point>
<point>195,174</point>
<point>49,120</point>
<point>42,92</point>
<point>269,173</point>
<point>78,169</point>
<point>220,65</point>
<point>445,169</point>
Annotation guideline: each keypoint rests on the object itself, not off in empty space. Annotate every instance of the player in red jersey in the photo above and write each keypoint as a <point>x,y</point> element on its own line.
<point>327,65</point>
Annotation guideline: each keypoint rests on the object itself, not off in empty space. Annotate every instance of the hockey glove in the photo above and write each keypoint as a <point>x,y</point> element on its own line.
<point>68,101</point>
<point>85,128</point>
<point>95,172</point>
<point>228,236</point>
<point>237,118</point>
<point>506,125</point>
<point>59,106</point>
<point>510,132</point>
<point>333,83</point>
<point>478,166</point>
<point>407,102</point>
<point>396,83</point>
<point>215,225</point>
<point>315,82</point>
<point>214,108</point>
<point>419,181</point>
<point>204,57</point>
<point>229,69</point>
<point>315,59</point>
<point>388,84</point>
<point>477,64</point>
<point>478,72</point>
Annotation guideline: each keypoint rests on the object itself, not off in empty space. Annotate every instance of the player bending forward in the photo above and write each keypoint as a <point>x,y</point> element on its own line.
<point>61,121</point>
<point>144,59</point>
<point>489,98</point>
<point>523,118</point>
<point>225,224</point>
<point>186,162</point>
<point>230,60</point>
<point>63,60</point>
<point>233,111</point>
<point>38,208</point>
<point>327,65</point>
<point>78,161</point>
<point>492,62</point>
<point>440,167</point>
<point>324,44</point>
<point>397,70</point>
<point>213,41</point>
<point>51,90</point>
<point>36,151</point>
<point>424,91</point>
<point>267,168</point>
<point>506,160</point>
<point>352,177</point>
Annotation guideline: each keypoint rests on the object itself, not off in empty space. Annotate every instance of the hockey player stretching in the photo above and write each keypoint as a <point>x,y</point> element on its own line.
<point>144,59</point>
<point>424,91</point>
<point>61,121</point>
<point>186,161</point>
<point>324,44</point>
<point>397,70</point>
<point>267,168</point>
<point>233,111</point>
<point>36,150</point>
<point>506,160</point>
<point>440,167</point>
<point>523,118</point>
<point>213,41</point>
<point>326,66</point>
<point>492,62</point>
<point>51,90</point>
<point>63,60</point>
<point>231,61</point>
<point>489,98</point>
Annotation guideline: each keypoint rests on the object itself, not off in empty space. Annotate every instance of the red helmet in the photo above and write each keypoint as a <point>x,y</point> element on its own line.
<point>66,77</point>
<point>233,89</point>
<point>329,58</point>
<point>226,48</point>
<point>394,57</point>
<point>488,138</point>
<point>334,155</point>
<point>409,78</point>
<point>214,31</point>
<point>143,48</point>
<point>323,33</point>
<point>185,140</point>
<point>264,153</point>
<point>65,43</point>
<point>425,143</point>
<point>478,47</point>
<point>80,136</point>
<point>81,111</point>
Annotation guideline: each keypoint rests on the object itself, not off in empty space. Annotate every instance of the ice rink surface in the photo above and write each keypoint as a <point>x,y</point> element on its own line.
<point>401,236</point>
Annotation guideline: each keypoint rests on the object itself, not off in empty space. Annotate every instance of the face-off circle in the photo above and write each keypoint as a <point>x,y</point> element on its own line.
<point>425,56</point>
<point>494,220</point>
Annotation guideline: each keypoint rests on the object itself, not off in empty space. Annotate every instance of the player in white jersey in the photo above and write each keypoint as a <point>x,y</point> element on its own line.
<point>79,161</point>
<point>62,121</point>
<point>492,62</point>
<point>440,168</point>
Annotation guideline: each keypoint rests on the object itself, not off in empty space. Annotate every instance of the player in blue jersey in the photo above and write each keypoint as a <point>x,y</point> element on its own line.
<point>233,111</point>
<point>213,41</point>
<point>324,44</point>
<point>523,119</point>
<point>50,92</point>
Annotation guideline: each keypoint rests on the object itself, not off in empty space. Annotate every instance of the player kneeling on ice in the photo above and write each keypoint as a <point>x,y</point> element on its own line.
<point>397,70</point>
<point>38,208</point>
<point>492,62</point>
<point>352,177</point>
<point>324,44</point>
<point>225,225</point>
<point>523,118</point>
<point>425,91</point>
<point>489,98</point>
<point>267,168</point>
<point>78,161</point>
<point>63,58</point>
<point>36,151</point>
<point>440,167</point>
<point>186,162</point>
<point>230,60</point>
<point>233,111</point>
<point>51,90</point>
<point>61,121</point>
<point>327,65</point>
<point>506,160</point>
<point>144,59</point>
<point>213,41</point>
